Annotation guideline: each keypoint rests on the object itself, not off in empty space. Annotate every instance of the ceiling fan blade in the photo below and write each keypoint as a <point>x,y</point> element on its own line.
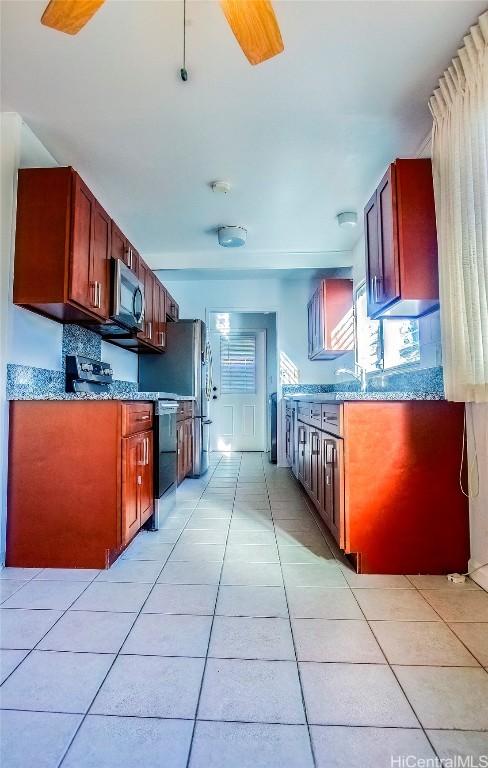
<point>69,15</point>
<point>254,25</point>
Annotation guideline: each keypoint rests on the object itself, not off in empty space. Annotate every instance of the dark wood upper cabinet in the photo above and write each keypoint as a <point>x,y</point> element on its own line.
<point>62,247</point>
<point>172,308</point>
<point>401,242</point>
<point>159,312</point>
<point>330,320</point>
<point>65,243</point>
<point>123,249</point>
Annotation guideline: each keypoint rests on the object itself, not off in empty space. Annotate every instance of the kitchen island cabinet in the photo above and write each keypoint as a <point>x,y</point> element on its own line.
<point>384,477</point>
<point>80,481</point>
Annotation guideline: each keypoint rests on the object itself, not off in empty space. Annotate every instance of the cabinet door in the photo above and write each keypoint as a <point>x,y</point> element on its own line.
<point>302,442</point>
<point>146,493</point>
<point>373,270</point>
<point>310,328</point>
<point>119,244</point>
<point>160,314</point>
<point>100,267</point>
<point>389,285</point>
<point>132,458</point>
<point>331,497</point>
<point>81,289</point>
<point>315,465</point>
<point>172,308</point>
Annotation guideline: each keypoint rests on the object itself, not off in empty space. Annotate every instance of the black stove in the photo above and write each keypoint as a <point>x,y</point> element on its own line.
<point>86,375</point>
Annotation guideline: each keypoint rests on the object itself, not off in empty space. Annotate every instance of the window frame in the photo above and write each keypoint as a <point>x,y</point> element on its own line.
<point>382,371</point>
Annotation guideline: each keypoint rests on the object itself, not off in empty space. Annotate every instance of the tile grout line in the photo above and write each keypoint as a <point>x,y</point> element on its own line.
<point>138,614</point>
<point>312,749</point>
<point>63,612</point>
<point>211,625</point>
<point>444,621</point>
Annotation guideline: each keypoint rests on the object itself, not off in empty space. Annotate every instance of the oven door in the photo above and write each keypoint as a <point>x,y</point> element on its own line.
<point>128,303</point>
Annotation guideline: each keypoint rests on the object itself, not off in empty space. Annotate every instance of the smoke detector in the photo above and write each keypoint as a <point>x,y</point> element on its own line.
<point>231,236</point>
<point>220,186</point>
<point>347,219</point>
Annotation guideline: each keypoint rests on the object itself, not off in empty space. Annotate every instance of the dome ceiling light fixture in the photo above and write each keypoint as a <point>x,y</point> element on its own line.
<point>232,236</point>
<point>220,186</point>
<point>347,219</point>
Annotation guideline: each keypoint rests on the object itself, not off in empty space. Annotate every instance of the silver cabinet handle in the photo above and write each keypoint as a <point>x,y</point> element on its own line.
<point>162,338</point>
<point>315,450</point>
<point>97,294</point>
<point>149,330</point>
<point>375,281</point>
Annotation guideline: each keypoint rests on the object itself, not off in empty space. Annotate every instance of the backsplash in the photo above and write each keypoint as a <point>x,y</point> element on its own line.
<point>81,341</point>
<point>25,382</point>
<point>426,380</point>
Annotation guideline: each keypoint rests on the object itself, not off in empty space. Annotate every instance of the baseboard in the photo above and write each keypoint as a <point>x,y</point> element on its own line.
<point>481,576</point>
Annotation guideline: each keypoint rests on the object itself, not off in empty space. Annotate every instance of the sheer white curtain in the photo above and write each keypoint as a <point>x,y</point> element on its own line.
<point>460,163</point>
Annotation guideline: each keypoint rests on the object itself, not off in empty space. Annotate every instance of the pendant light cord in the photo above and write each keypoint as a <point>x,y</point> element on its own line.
<point>183,71</point>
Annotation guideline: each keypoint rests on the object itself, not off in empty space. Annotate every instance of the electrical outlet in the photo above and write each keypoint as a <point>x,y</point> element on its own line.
<point>456,578</point>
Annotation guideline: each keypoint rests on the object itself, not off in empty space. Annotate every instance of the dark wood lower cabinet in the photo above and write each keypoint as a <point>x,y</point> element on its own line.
<point>384,477</point>
<point>137,483</point>
<point>331,497</point>
<point>80,481</point>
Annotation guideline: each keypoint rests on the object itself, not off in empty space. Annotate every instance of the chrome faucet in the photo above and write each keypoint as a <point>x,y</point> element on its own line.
<point>359,374</point>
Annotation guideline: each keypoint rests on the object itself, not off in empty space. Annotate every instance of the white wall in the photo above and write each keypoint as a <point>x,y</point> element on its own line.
<point>288,298</point>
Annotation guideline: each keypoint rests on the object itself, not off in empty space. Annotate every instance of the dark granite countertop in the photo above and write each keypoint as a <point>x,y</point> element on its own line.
<point>153,396</point>
<point>341,397</point>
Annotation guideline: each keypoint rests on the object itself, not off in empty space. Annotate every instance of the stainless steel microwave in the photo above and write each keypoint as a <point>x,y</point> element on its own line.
<point>128,298</point>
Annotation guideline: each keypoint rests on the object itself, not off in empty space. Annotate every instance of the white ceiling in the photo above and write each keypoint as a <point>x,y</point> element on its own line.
<point>301,137</point>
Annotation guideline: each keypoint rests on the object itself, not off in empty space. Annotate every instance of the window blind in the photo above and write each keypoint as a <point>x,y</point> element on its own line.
<point>238,364</point>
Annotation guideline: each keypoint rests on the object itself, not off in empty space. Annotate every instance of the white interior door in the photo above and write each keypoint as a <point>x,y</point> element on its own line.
<point>238,404</point>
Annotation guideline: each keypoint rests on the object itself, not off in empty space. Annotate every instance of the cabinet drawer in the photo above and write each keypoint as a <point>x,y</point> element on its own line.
<point>331,421</point>
<point>310,413</point>
<point>136,417</point>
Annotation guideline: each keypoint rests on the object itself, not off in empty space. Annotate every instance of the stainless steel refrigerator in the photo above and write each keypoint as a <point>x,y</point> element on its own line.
<point>185,369</point>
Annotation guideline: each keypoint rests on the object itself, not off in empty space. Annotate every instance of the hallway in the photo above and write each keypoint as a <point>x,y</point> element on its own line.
<point>235,637</point>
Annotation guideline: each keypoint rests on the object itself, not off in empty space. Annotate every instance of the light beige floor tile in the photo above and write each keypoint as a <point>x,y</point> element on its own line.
<point>322,603</point>
<point>421,642</point>
<point>125,742</point>
<point>339,747</point>
<point>250,745</point>
<point>376,581</point>
<point>475,636</point>
<point>394,605</point>
<point>251,691</point>
<point>354,694</point>
<point>441,582</point>
<point>451,745</point>
<point>342,641</point>
<point>251,638</point>
<point>252,601</point>
<point>48,736</point>
<point>447,697</point>
<point>459,605</point>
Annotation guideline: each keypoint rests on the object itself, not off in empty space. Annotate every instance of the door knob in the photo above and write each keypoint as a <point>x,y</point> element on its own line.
<point>214,397</point>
